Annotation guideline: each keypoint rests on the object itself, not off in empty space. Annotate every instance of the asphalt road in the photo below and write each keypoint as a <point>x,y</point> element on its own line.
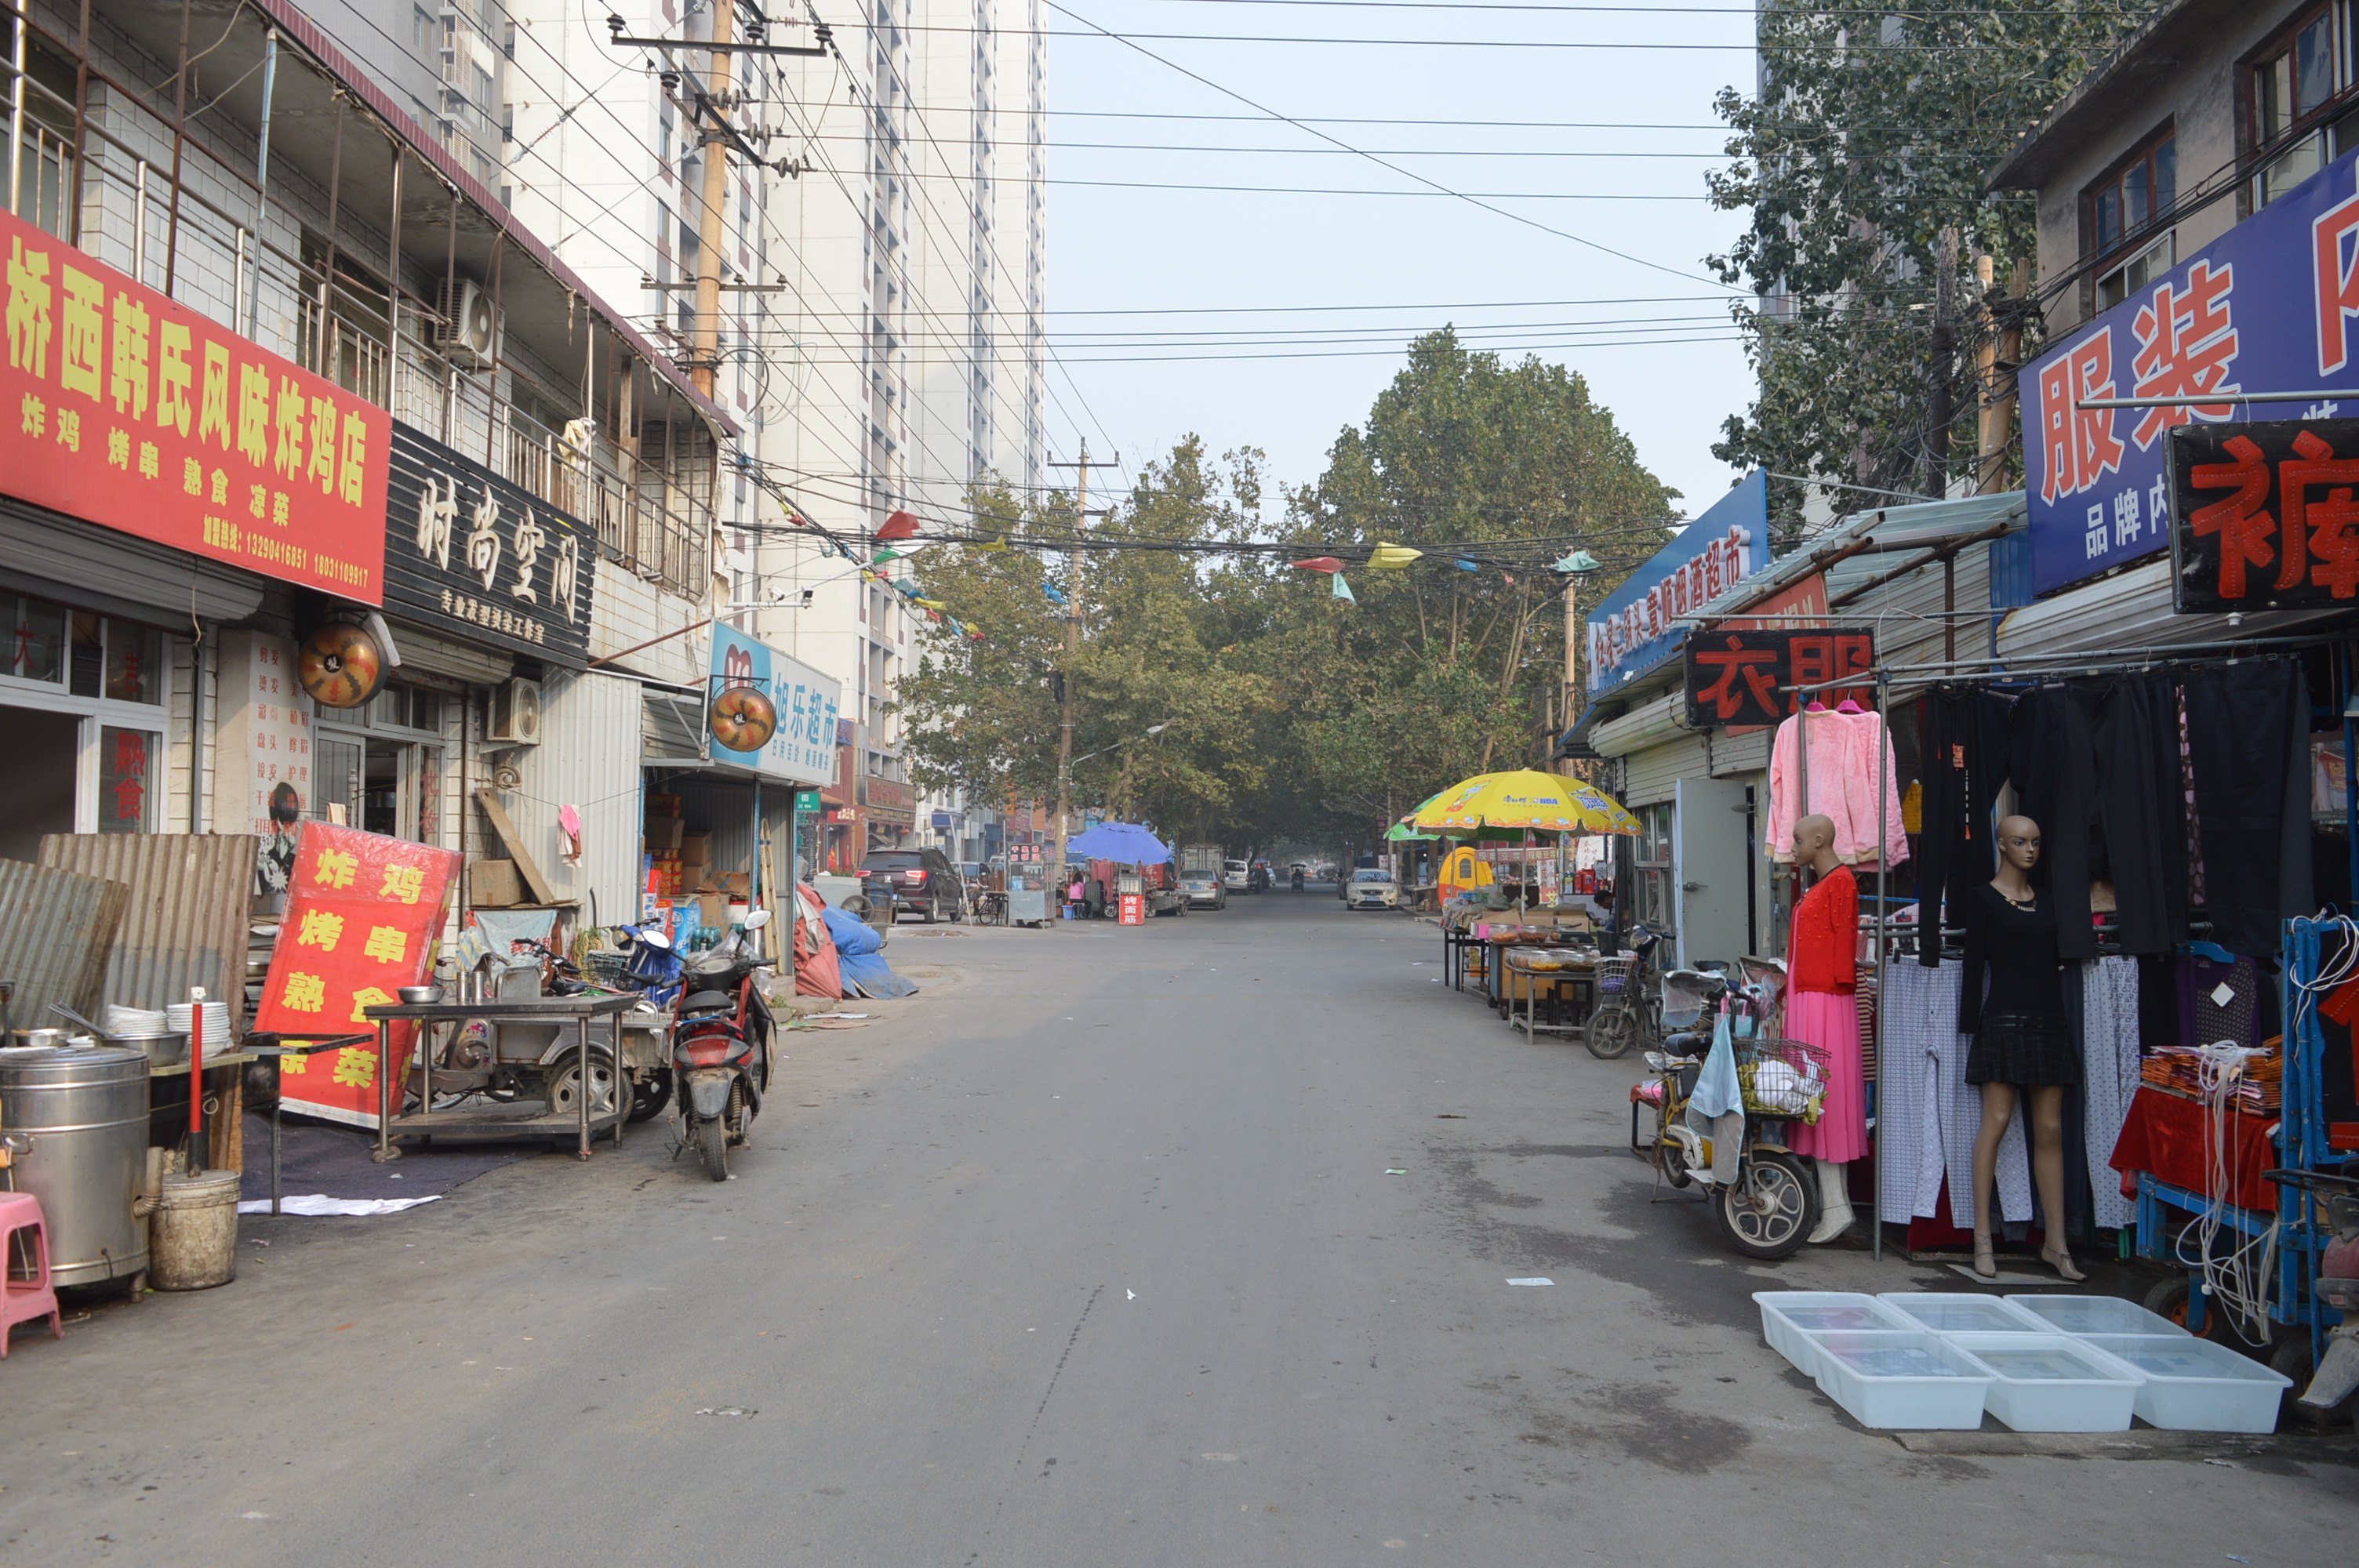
<point>1090,1254</point>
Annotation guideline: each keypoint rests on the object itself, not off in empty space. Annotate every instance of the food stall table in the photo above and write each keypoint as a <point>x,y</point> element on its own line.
<point>275,1049</point>
<point>1567,975</point>
<point>525,1122</point>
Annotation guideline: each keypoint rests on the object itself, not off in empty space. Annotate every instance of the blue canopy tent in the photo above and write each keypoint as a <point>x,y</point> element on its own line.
<point>1123,841</point>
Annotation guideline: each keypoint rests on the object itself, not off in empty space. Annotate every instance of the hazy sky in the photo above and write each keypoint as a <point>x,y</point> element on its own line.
<point>1654,341</point>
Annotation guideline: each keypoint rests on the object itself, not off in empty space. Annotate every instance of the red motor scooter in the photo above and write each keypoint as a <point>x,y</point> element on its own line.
<point>720,1042</point>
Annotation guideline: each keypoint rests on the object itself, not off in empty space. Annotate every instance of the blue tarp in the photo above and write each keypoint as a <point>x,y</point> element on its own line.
<point>859,953</point>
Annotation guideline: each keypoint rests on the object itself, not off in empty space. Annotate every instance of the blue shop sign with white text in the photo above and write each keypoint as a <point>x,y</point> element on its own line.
<point>2268,307</point>
<point>1635,628</point>
<point>806,703</point>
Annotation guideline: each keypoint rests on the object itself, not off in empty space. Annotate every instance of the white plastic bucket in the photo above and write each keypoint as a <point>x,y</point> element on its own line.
<point>193,1232</point>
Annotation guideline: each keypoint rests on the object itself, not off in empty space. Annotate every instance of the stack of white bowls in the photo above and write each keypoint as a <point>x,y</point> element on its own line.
<point>216,1033</point>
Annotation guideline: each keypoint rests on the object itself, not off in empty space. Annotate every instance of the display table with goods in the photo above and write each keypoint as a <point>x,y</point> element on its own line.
<point>600,1100</point>
<point>1557,987</point>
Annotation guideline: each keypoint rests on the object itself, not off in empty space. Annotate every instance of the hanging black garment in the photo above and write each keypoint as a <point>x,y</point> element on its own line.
<point>2248,737</point>
<point>2051,763</point>
<point>2141,811</point>
<point>1964,748</point>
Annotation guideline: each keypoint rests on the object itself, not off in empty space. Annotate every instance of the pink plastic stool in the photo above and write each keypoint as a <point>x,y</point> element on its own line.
<point>26,1301</point>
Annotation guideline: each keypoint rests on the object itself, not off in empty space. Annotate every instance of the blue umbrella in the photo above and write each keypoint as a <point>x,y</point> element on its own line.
<point>1124,841</point>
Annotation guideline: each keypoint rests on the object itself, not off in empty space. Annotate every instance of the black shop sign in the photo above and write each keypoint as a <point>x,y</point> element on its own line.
<point>1741,677</point>
<point>2264,516</point>
<point>487,561</point>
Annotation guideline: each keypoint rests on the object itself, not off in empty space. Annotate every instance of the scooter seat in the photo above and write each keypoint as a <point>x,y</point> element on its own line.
<point>708,1002</point>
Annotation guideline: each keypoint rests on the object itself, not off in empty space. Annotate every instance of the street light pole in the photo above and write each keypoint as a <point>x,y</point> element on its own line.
<point>1073,647</point>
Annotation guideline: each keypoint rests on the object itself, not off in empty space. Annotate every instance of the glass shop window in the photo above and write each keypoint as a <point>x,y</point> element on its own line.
<point>127,779</point>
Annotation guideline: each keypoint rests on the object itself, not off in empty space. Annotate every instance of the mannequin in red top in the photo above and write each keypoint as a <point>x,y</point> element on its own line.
<point>1820,977</point>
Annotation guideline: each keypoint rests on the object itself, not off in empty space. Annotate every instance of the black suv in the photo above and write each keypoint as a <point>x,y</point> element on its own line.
<point>917,881</point>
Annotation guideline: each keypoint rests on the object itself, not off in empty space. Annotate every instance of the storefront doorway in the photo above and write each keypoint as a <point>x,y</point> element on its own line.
<point>36,790</point>
<point>386,777</point>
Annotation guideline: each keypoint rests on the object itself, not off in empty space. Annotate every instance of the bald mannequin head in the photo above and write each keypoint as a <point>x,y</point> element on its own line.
<point>2018,845</point>
<point>1814,843</point>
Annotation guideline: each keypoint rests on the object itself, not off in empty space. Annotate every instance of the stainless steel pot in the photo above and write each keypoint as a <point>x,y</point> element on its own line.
<point>86,1114</point>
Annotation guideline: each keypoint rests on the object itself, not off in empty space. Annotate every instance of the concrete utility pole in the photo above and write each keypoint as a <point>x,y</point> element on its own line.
<point>1996,361</point>
<point>1940,409</point>
<point>704,337</point>
<point>1072,646</point>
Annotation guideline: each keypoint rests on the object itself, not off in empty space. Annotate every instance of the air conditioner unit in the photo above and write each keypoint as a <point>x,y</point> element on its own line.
<point>516,713</point>
<point>470,325</point>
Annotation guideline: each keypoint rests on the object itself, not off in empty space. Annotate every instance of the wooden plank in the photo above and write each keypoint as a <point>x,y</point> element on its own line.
<point>489,799</point>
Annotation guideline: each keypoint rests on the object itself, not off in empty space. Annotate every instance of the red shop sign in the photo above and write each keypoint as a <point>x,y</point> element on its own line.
<point>126,410</point>
<point>363,913</point>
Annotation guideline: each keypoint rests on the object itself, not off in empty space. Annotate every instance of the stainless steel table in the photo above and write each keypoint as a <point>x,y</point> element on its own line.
<point>426,1122</point>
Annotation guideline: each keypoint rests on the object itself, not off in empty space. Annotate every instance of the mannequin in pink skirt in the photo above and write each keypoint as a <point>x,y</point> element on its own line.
<point>1821,973</point>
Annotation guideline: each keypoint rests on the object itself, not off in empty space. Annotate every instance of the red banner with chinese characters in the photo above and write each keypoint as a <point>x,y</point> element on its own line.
<point>363,911</point>
<point>123,408</point>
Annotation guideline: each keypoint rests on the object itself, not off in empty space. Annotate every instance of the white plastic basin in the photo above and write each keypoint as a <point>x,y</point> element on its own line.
<point>2053,1382</point>
<point>1964,1313</point>
<point>2193,1385</point>
<point>1791,1320</point>
<point>1902,1381</point>
<point>2095,1314</point>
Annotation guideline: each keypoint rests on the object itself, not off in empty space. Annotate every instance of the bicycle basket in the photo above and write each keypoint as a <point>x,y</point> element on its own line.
<point>608,968</point>
<point>1614,975</point>
<point>1786,1079</point>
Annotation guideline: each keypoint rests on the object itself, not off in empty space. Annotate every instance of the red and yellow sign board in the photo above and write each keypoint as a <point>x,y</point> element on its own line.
<point>123,408</point>
<point>363,911</point>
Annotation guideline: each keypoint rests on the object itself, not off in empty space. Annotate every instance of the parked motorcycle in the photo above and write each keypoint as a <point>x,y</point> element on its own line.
<point>721,1046</point>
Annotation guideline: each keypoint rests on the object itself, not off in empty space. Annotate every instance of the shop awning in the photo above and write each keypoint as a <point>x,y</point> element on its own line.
<point>1646,725</point>
<point>2131,611</point>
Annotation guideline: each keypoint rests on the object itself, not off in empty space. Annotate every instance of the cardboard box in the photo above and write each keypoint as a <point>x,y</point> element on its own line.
<point>696,848</point>
<point>662,833</point>
<point>663,805</point>
<point>714,910</point>
<point>494,884</point>
<point>737,884</point>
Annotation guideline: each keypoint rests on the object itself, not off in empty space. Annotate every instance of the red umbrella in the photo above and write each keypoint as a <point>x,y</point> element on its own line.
<point>1319,564</point>
<point>900,525</point>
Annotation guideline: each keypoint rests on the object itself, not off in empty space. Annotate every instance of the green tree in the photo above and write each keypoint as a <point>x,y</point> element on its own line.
<point>1864,159</point>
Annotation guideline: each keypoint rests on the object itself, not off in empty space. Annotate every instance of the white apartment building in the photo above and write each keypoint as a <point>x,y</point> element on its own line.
<point>882,337</point>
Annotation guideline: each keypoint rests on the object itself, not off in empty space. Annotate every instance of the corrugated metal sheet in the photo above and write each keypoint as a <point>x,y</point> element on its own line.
<point>2132,610</point>
<point>1733,754</point>
<point>1646,725</point>
<point>1649,775</point>
<point>670,725</point>
<point>57,932</point>
<point>589,759</point>
<point>185,924</point>
<point>115,571</point>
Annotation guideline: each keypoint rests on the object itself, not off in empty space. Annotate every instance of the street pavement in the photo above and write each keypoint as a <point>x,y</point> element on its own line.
<point>1092,1253</point>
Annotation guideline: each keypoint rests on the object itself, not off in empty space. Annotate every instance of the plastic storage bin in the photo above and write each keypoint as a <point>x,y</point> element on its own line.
<point>2193,1385</point>
<point>2053,1382</point>
<point>2095,1314</point>
<point>1964,1313</point>
<point>1790,1320</point>
<point>1902,1380</point>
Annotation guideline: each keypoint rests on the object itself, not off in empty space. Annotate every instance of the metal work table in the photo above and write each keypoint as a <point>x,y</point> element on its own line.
<point>426,1122</point>
<point>1558,970</point>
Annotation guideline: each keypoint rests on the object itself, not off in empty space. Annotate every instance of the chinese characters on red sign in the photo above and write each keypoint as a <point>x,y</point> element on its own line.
<point>363,914</point>
<point>2265,517</point>
<point>119,407</point>
<point>1746,678</point>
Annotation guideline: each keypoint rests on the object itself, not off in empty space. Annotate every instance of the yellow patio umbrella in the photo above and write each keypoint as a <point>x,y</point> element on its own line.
<point>1528,800</point>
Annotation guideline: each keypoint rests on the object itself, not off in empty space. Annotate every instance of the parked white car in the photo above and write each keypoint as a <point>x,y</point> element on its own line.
<point>1237,874</point>
<point>1372,887</point>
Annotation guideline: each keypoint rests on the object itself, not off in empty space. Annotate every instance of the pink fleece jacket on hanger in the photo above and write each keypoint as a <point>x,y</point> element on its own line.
<point>1847,749</point>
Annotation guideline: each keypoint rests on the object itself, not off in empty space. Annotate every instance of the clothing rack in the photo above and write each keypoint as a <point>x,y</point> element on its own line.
<point>1993,671</point>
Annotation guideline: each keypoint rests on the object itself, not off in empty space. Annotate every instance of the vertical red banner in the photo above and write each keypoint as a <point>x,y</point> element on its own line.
<point>362,915</point>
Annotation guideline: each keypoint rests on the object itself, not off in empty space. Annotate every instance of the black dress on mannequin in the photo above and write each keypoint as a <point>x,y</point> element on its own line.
<point>2019,1030</point>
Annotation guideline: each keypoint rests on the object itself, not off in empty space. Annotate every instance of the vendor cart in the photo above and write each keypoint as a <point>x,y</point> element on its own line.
<point>2273,1217</point>
<point>535,1025</point>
